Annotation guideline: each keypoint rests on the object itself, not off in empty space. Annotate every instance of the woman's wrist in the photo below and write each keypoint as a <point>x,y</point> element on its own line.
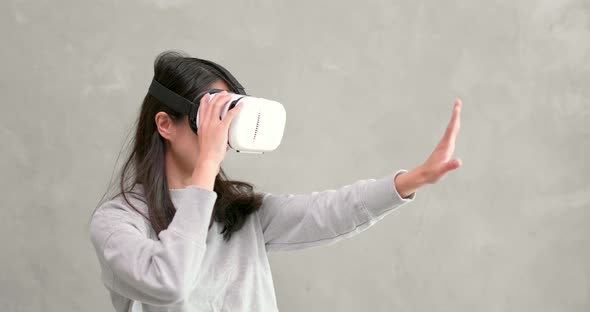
<point>408,182</point>
<point>204,174</point>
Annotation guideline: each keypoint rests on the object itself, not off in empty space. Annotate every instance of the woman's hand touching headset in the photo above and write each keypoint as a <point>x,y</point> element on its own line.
<point>212,132</point>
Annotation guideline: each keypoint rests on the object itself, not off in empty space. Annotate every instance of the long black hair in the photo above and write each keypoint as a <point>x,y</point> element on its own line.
<point>145,164</point>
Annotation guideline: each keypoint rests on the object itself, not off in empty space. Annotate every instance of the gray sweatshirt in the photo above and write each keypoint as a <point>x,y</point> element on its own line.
<point>188,267</point>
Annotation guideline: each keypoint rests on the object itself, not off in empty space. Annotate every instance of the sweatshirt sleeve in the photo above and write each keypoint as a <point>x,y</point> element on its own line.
<point>156,272</point>
<point>300,221</point>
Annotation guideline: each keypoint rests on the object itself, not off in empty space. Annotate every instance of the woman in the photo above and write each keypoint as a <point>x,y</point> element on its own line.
<point>180,236</point>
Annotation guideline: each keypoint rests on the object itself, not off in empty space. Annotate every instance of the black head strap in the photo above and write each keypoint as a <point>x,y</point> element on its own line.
<point>171,99</point>
<point>182,105</point>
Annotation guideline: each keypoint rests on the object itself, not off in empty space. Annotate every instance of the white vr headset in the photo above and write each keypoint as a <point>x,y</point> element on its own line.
<point>257,128</point>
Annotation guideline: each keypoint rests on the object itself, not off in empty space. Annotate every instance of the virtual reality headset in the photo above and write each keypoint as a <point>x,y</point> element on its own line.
<point>257,128</point>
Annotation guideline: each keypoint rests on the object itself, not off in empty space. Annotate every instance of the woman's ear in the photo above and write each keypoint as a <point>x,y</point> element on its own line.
<point>165,125</point>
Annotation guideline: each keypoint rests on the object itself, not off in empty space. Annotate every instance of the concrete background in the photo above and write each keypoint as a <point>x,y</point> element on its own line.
<point>368,87</point>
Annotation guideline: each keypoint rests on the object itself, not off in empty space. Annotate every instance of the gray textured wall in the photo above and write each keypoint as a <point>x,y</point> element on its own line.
<point>368,87</point>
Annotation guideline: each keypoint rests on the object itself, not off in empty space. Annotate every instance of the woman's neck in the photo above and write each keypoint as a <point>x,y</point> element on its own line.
<point>178,177</point>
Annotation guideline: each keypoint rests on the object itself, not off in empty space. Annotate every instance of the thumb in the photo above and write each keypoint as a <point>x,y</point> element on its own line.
<point>452,164</point>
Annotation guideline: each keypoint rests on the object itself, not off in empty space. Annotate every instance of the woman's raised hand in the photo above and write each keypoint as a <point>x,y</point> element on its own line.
<point>212,132</point>
<point>440,162</point>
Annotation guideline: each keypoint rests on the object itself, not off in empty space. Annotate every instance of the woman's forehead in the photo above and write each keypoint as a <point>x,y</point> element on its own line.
<point>220,84</point>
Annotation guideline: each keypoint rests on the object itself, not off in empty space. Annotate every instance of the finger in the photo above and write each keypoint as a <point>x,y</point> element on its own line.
<point>454,124</point>
<point>204,108</point>
<point>217,104</point>
<point>232,113</point>
<point>215,99</point>
<point>222,104</point>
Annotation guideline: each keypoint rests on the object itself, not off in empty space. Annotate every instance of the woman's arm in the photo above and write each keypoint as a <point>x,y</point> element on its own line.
<point>299,221</point>
<point>407,183</point>
<point>157,272</point>
<point>291,222</point>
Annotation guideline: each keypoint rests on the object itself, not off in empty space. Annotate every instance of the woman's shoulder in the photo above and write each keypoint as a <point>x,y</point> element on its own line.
<point>129,206</point>
<point>120,212</point>
<point>129,201</point>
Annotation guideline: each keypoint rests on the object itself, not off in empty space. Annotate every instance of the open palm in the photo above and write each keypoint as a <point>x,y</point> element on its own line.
<point>440,162</point>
